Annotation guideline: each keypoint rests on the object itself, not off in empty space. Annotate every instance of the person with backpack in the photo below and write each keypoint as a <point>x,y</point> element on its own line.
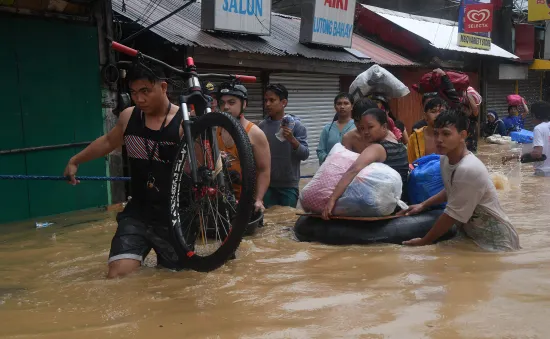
<point>342,123</point>
<point>288,145</point>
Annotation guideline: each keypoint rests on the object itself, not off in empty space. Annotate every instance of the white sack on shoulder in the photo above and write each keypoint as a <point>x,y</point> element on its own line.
<point>377,79</point>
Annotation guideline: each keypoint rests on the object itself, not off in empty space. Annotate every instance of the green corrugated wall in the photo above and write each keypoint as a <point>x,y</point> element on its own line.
<point>49,94</point>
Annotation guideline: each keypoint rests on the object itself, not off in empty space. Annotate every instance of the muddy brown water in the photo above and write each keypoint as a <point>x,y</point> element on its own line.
<point>52,282</point>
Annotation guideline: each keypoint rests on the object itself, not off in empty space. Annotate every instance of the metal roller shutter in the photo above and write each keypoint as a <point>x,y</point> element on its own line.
<point>530,90</point>
<point>311,98</point>
<point>496,96</point>
<point>255,109</point>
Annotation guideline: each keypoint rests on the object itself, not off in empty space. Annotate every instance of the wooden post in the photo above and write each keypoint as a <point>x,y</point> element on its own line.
<point>104,18</point>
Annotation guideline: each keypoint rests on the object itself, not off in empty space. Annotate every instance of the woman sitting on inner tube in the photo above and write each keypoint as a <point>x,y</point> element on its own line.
<point>384,148</point>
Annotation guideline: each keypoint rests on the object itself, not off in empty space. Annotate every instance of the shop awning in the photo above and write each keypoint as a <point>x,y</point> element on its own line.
<point>379,54</point>
<point>540,65</point>
<point>184,28</point>
<point>442,34</point>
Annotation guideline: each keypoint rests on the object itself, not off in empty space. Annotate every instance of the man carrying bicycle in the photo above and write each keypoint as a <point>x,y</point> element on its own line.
<point>151,131</point>
<point>233,99</point>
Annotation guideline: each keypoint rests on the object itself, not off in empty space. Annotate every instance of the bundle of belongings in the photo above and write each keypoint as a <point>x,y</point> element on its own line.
<point>380,85</point>
<point>378,80</point>
<point>432,83</point>
<point>375,191</point>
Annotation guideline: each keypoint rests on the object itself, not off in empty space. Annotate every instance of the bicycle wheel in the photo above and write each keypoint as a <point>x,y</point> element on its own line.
<point>208,224</point>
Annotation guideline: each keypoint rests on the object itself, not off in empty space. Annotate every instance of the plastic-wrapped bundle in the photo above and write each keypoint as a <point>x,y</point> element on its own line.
<point>523,136</point>
<point>374,192</point>
<point>377,79</point>
<point>515,100</point>
<point>431,82</point>
<point>315,195</point>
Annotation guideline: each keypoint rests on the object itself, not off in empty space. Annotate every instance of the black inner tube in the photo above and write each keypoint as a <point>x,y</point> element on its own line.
<point>349,232</point>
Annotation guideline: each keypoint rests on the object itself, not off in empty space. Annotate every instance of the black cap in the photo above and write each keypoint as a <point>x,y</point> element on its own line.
<point>238,91</point>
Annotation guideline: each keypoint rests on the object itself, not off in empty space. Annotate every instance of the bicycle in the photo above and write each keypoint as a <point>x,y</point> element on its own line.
<point>202,204</point>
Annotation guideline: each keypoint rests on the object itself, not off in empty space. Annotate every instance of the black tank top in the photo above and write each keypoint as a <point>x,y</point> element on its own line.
<point>396,158</point>
<point>150,203</point>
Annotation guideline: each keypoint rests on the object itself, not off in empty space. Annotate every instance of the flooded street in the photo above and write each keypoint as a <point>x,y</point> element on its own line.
<point>53,282</point>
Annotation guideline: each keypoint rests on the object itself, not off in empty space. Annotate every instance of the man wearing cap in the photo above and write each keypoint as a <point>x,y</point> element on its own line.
<point>232,99</point>
<point>211,90</point>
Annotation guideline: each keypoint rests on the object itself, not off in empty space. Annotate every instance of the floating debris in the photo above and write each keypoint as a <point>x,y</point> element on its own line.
<point>43,224</point>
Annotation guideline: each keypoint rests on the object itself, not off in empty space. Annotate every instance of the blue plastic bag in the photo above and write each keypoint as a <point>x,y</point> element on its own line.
<point>425,179</point>
<point>523,137</point>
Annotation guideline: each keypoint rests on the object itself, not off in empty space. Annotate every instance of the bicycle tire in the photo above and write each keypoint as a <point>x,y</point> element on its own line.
<point>188,258</point>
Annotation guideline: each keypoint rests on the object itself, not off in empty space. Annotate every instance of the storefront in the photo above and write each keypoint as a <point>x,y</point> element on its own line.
<point>530,89</point>
<point>311,98</point>
<point>497,91</point>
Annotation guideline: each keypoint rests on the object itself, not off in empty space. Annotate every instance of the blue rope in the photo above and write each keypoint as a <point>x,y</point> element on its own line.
<point>60,178</point>
<point>83,178</point>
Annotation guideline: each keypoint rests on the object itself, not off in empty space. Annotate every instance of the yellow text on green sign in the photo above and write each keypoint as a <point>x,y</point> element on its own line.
<point>474,41</point>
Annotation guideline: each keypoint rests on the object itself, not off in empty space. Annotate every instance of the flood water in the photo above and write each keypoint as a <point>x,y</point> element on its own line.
<point>52,282</point>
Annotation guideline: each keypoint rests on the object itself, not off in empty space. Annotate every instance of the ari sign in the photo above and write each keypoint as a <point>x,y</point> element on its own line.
<point>327,22</point>
<point>241,16</point>
<point>475,22</point>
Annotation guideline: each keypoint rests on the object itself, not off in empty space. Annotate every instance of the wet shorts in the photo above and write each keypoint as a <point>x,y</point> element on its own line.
<point>134,239</point>
<point>282,196</point>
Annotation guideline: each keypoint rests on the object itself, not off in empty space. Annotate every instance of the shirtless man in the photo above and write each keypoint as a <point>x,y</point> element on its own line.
<point>353,140</point>
<point>151,131</point>
<point>233,99</point>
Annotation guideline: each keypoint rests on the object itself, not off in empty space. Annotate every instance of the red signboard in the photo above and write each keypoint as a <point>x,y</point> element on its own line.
<point>478,18</point>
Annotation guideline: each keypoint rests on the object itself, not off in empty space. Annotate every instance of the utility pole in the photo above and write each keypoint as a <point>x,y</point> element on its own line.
<point>502,25</point>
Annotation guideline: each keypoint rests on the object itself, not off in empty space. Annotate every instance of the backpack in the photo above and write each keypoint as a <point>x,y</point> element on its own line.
<point>425,179</point>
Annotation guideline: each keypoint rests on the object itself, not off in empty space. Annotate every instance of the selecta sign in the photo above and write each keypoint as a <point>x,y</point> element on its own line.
<point>475,21</point>
<point>242,16</point>
<point>478,18</point>
<point>327,22</point>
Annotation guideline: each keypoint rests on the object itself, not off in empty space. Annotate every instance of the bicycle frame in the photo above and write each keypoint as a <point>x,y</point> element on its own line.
<point>194,97</point>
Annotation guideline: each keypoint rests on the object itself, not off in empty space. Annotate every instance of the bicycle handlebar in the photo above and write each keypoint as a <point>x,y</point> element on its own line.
<point>190,62</point>
<point>245,78</point>
<point>124,49</point>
